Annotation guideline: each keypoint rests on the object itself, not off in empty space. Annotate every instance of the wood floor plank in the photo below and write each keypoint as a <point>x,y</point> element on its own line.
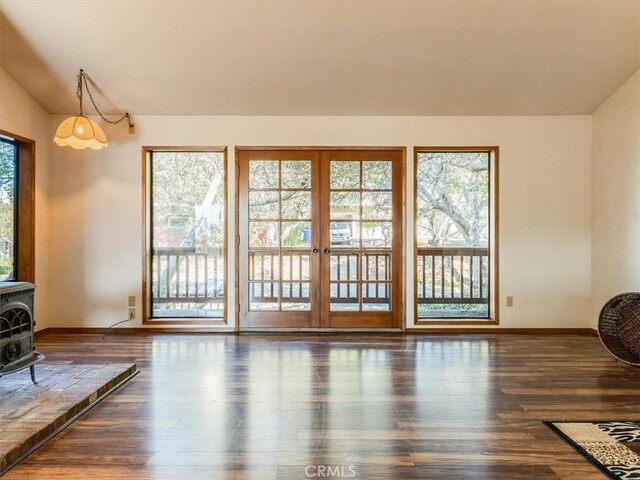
<point>390,406</point>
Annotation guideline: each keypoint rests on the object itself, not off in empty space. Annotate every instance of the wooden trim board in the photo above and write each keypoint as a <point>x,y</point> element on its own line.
<point>409,331</point>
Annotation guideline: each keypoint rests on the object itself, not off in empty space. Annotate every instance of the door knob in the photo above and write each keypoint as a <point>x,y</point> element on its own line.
<point>327,250</point>
<point>315,250</point>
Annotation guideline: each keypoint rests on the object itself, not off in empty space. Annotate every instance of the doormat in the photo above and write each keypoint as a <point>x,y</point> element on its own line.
<point>30,415</point>
<point>612,446</point>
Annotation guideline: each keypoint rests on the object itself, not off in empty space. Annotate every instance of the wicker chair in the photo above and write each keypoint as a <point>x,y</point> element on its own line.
<point>619,327</point>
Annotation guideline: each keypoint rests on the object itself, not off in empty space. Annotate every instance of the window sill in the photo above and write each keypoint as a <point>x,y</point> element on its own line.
<point>456,321</point>
<point>185,321</point>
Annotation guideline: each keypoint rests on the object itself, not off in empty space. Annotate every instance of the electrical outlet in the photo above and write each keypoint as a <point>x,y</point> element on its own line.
<point>509,301</point>
<point>132,313</point>
<point>132,301</point>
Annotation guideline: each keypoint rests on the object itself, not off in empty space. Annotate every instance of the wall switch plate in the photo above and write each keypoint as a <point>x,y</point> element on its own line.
<point>509,301</point>
<point>132,301</point>
<point>132,313</point>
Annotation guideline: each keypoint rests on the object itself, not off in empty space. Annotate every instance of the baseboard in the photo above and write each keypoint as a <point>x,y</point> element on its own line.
<point>133,330</point>
<point>411,331</point>
<point>503,331</point>
<point>321,331</point>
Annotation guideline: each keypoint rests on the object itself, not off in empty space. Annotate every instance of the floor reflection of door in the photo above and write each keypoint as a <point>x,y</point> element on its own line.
<point>320,234</point>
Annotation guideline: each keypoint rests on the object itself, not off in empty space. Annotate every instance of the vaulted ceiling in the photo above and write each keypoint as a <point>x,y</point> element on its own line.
<point>324,57</point>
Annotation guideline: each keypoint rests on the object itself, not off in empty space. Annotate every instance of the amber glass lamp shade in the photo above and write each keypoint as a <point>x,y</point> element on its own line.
<point>80,132</point>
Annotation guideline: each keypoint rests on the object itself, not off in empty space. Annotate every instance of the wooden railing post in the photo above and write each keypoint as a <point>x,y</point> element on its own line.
<point>465,272</point>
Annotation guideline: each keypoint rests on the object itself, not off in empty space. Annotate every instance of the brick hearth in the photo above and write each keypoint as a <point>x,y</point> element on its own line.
<point>29,413</point>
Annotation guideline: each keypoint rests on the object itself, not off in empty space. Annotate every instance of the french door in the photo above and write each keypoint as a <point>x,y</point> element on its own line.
<point>320,238</point>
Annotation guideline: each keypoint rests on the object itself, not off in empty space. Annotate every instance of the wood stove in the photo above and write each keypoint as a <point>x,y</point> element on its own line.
<point>17,328</point>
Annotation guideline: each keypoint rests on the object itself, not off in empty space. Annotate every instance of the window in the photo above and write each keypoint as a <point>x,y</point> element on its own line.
<point>8,202</point>
<point>456,255</point>
<point>186,244</point>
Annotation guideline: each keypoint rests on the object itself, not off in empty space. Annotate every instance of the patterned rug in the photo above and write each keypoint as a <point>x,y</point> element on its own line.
<point>613,447</point>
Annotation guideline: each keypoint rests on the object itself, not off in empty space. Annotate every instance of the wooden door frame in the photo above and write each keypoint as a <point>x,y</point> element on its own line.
<point>403,194</point>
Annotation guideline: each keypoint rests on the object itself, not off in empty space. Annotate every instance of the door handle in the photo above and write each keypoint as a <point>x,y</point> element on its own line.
<point>315,250</point>
<point>327,250</point>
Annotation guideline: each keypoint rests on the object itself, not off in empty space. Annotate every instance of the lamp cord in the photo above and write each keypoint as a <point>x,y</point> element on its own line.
<point>82,78</point>
<point>106,330</point>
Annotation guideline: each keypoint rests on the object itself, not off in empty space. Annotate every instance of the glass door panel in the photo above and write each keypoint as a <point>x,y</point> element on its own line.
<point>320,239</point>
<point>360,190</point>
<point>363,190</point>
<point>277,205</point>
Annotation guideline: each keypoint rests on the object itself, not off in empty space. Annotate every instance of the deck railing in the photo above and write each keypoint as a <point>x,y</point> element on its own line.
<point>352,275</point>
<point>187,275</point>
<point>286,274</point>
<point>444,276</point>
<point>453,275</point>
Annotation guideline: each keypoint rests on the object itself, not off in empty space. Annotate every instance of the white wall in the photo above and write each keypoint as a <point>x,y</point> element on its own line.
<point>545,205</point>
<point>21,115</point>
<point>616,195</point>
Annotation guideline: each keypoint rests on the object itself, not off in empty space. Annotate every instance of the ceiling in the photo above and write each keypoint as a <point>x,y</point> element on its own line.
<point>324,57</point>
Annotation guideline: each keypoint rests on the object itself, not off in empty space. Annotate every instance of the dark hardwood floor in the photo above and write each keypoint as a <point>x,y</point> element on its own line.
<point>380,406</point>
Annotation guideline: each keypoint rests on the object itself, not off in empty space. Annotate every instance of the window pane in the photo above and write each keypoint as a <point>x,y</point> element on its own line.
<point>344,267</point>
<point>345,174</point>
<point>264,205</point>
<point>296,234</point>
<point>296,174</point>
<point>263,296</point>
<point>296,205</point>
<point>376,266</point>
<point>376,235</point>
<point>376,297</point>
<point>453,234</point>
<point>376,205</point>
<point>344,234</point>
<point>188,212</point>
<point>8,162</point>
<point>296,266</point>
<point>264,266</point>
<point>263,235</point>
<point>376,175</point>
<point>296,297</point>
<point>344,297</point>
<point>264,174</point>
<point>345,206</point>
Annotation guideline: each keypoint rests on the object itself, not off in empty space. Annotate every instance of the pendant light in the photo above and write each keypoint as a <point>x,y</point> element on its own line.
<point>81,132</point>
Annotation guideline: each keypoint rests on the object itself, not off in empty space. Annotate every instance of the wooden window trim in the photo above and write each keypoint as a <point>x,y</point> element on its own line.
<point>26,211</point>
<point>146,239</point>
<point>494,230</point>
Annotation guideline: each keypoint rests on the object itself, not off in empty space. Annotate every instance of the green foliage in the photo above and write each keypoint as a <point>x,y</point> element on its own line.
<point>296,205</point>
<point>453,199</point>
<point>188,190</point>
<point>8,158</point>
<point>6,266</point>
<point>440,310</point>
